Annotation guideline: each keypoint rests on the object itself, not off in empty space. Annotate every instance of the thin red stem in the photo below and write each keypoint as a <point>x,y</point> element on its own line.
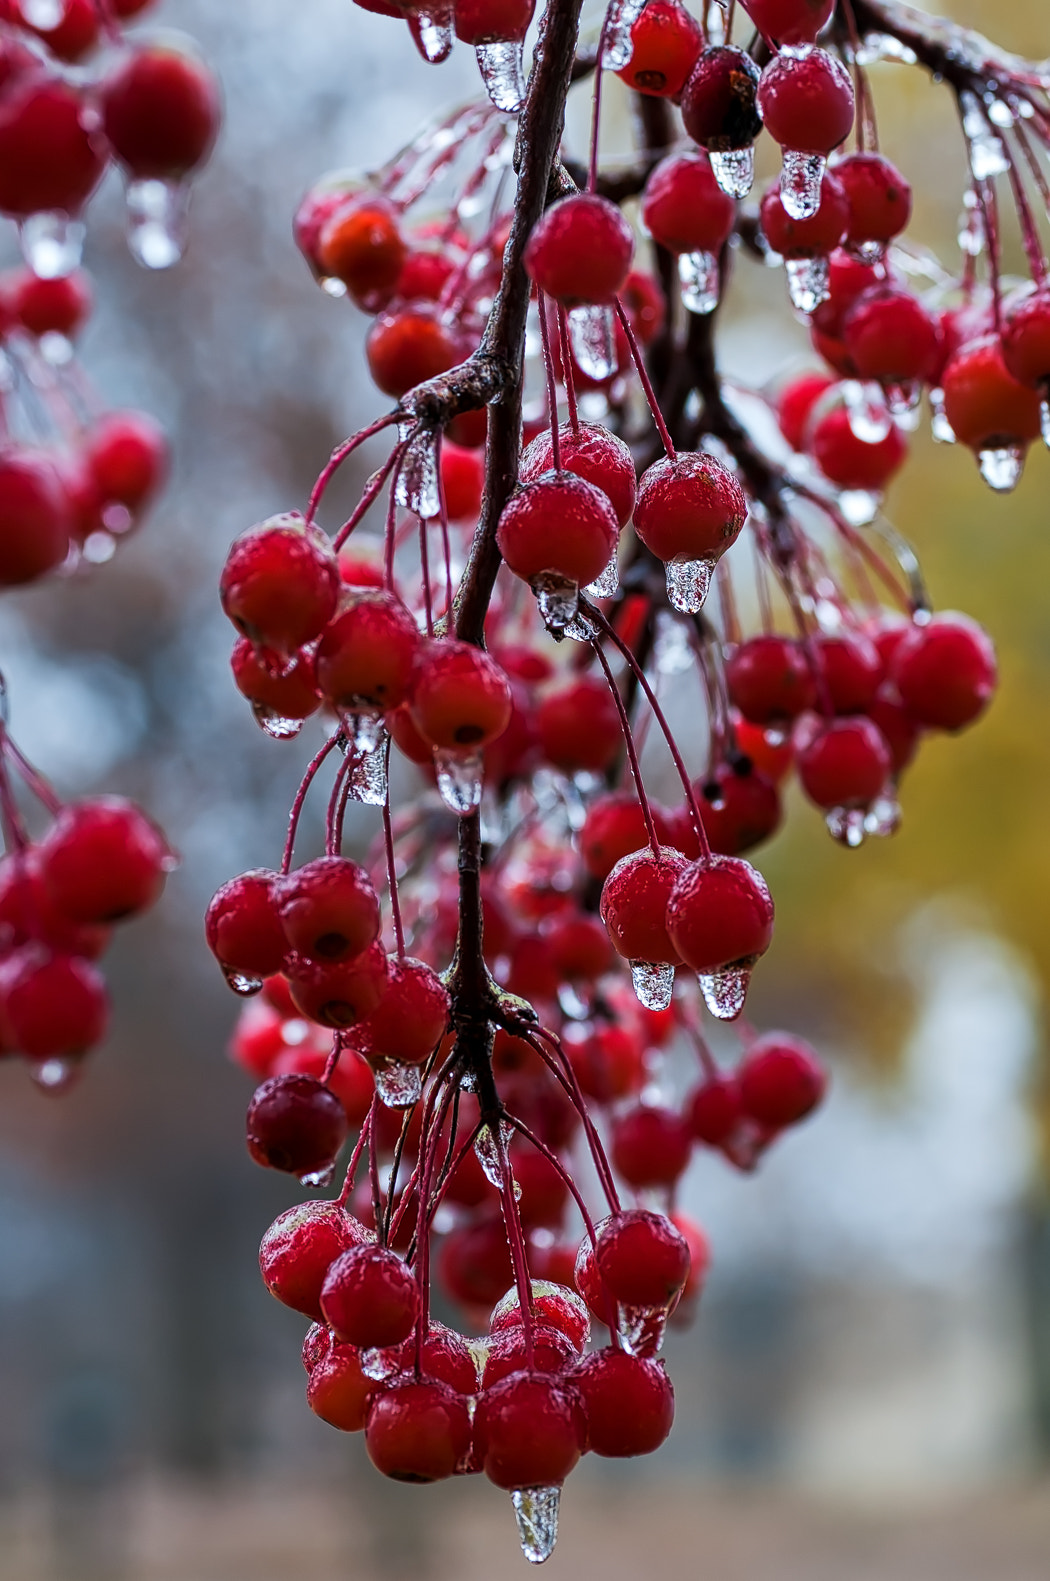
<point>646,383</point>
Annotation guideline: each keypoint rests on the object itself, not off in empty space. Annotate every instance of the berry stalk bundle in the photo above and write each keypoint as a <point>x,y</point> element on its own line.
<point>578,516</point>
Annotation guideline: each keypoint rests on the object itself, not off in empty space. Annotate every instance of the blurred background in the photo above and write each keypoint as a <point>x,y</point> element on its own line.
<point>866,1390</point>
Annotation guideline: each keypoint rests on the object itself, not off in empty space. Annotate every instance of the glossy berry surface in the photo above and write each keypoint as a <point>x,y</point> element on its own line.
<point>558,525</point>
<point>296,1125</point>
<point>369,1297</point>
<point>665,43</point>
<point>806,101</point>
<point>628,1401</point>
<point>720,914</point>
<point>690,507</point>
<point>580,251</point>
<point>160,111</point>
<point>719,101</point>
<point>945,672</point>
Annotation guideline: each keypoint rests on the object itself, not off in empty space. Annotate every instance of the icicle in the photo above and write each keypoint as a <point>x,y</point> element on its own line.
<point>941,429</point>
<point>846,825</point>
<point>57,1074</point>
<point>807,282</point>
<point>671,649</point>
<point>641,1329</point>
<point>734,170</point>
<point>653,983</point>
<point>800,181</point>
<point>158,214</point>
<point>382,1361</point>
<point>688,583</point>
<point>859,506</point>
<point>580,628</point>
<point>1001,467</point>
<point>399,1085</point>
<point>367,731</point>
<point>241,983</point>
<point>869,417</point>
<point>605,586</point>
<point>502,67</point>
<point>319,1178</point>
<point>592,339</point>
<point>699,277</point>
<point>1044,421</point>
<point>276,725</point>
<point>619,20</point>
<point>558,601</point>
<point>883,817</point>
<point>488,1154</point>
<point>988,157</point>
<point>368,780</point>
<point>51,244</point>
<point>418,489</point>
<point>905,404</point>
<point>724,992</point>
<point>536,1512</point>
<point>432,32</point>
<point>460,778</point>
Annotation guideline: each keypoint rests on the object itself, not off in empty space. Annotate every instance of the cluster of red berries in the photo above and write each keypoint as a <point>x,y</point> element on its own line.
<point>99,862</point>
<point>152,110</point>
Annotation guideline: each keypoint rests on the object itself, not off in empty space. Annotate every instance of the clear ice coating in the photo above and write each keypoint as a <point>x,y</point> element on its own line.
<point>158,214</point>
<point>672,651</point>
<point>868,252</point>
<point>1001,467</point>
<point>367,730</point>
<point>641,1329</point>
<point>399,1085</point>
<point>866,409</point>
<point>800,181</point>
<point>432,31</point>
<point>988,157</point>
<point>905,404</point>
<point>502,67</point>
<point>619,20</point>
<point>536,1512</point>
<point>380,1362</point>
<point>688,583</point>
<point>418,488</point>
<point>1044,421</point>
<point>368,781</point>
<point>605,586</point>
<point>580,628</point>
<point>734,170</point>
<point>241,983</point>
<point>56,1074</point>
<point>724,992</point>
<point>487,1151</point>
<point>807,282</point>
<point>593,341</point>
<point>653,983</point>
<point>699,277</point>
<point>275,724</point>
<point>460,777</point>
<point>318,1178</point>
<point>859,506</point>
<point>51,244</point>
<point>558,600</point>
<point>883,817</point>
<point>941,429</point>
<point>847,825</point>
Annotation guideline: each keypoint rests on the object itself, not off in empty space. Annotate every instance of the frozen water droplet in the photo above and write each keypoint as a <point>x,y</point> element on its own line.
<point>999,111</point>
<point>866,408</point>
<point>688,583</point>
<point>1044,420</point>
<point>536,1512</point>
<point>367,731</point>
<point>468,1082</point>
<point>883,817</point>
<point>333,287</point>
<point>672,652</point>
<point>619,20</point>
<point>558,601</point>
<point>51,244</point>
<point>641,1329</point>
<point>418,489</point>
<point>98,547</point>
<point>847,825</point>
<point>883,46</point>
<point>724,992</point>
<point>275,724</point>
<point>700,279</point>
<point>241,983</point>
<point>44,14</point>
<point>57,1074</point>
<point>571,1004</point>
<point>158,214</point>
<point>941,429</point>
<point>859,506</point>
<point>460,777</point>
<point>581,628</point>
<point>56,349</point>
<point>987,155</point>
<point>1001,467</point>
<point>382,1361</point>
<point>432,31</point>
<point>368,780</point>
<point>653,983</point>
<point>734,170</point>
<point>807,282</point>
<point>904,402</point>
<point>317,1179</point>
<point>592,339</point>
<point>399,1085</point>
<point>800,181</point>
<point>605,586</point>
<point>869,252</point>
<point>488,1153</point>
<point>502,67</point>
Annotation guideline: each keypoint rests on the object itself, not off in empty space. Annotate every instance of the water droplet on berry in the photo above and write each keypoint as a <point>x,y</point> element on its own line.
<point>368,778</point>
<point>275,724</point>
<point>366,731</point>
<point>558,601</point>
<point>619,20</point>
<point>688,583</point>
<point>807,282</point>
<point>502,67</point>
<point>51,244</point>
<point>724,992</point>
<point>57,1074</point>
<point>158,213</point>
<point>859,506</point>
<point>904,402</point>
<point>700,279</point>
<point>883,817</point>
<point>869,252</point>
<point>399,1085</point>
<point>432,31</point>
<point>800,181</point>
<point>941,429</point>
<point>56,349</point>
<point>1001,467</point>
<point>1044,421</point>
<point>241,983</point>
<point>460,777</point>
<point>317,1179</point>
<point>417,487</point>
<point>536,1512</point>
<point>988,157</point>
<point>605,586</point>
<point>653,983</point>
<point>641,1329</point>
<point>592,340</point>
<point>866,408</point>
<point>488,1152</point>
<point>382,1361</point>
<point>734,170</point>
<point>847,825</point>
